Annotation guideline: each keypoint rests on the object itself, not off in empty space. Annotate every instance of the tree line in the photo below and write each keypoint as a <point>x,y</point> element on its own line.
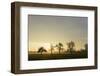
<point>60,48</point>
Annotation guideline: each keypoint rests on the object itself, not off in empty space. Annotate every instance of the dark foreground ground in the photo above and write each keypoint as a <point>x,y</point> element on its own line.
<point>57,56</point>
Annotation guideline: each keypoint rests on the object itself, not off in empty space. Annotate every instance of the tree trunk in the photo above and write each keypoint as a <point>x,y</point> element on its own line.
<point>59,50</point>
<point>51,51</point>
<point>41,53</point>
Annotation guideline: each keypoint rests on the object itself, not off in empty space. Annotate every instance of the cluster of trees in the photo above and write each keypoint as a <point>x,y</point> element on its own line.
<point>60,48</point>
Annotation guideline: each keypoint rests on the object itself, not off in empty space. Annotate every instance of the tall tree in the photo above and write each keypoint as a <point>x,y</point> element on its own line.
<point>59,46</point>
<point>51,49</point>
<point>86,47</point>
<point>71,46</point>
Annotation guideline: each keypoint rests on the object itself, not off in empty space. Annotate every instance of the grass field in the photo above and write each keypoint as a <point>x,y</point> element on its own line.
<point>57,56</point>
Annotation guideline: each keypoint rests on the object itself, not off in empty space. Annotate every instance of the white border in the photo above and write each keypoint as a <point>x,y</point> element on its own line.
<point>25,64</point>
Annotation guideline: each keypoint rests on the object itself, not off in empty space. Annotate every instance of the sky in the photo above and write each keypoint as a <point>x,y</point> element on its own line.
<point>46,30</point>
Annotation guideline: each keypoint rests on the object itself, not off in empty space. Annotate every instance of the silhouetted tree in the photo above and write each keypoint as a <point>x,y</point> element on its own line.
<point>71,46</point>
<point>59,46</point>
<point>41,50</point>
<point>86,47</point>
<point>51,49</point>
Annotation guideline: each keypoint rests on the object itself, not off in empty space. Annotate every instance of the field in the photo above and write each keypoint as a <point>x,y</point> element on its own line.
<point>74,55</point>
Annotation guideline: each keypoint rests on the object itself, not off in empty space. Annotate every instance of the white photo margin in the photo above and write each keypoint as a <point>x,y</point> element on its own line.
<point>25,64</point>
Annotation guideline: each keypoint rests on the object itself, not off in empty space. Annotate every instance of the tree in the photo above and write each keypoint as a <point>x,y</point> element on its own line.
<point>59,46</point>
<point>71,46</point>
<point>86,47</point>
<point>52,48</point>
<point>41,50</point>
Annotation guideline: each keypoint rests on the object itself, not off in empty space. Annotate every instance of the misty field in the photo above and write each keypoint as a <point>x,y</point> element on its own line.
<point>74,55</point>
<point>61,53</point>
